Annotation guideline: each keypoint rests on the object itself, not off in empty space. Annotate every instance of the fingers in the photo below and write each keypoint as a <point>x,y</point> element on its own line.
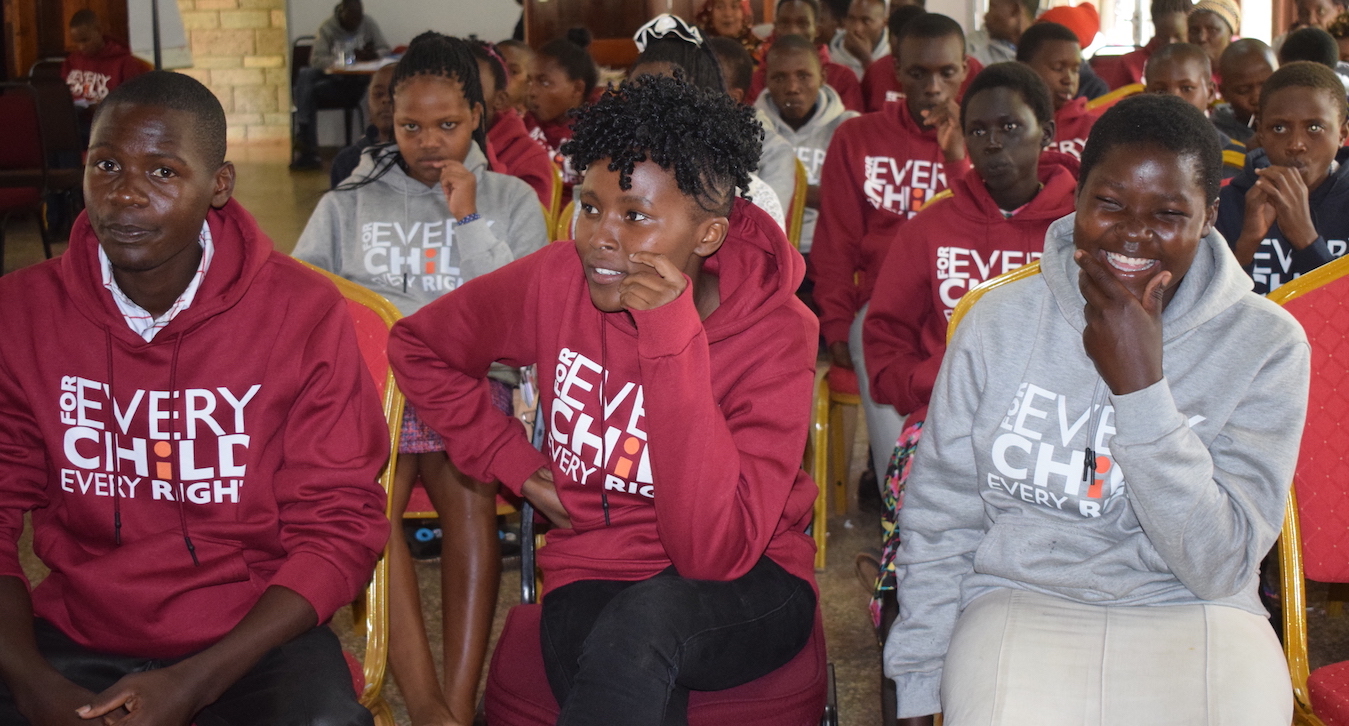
<point>1098,286</point>
<point>105,703</point>
<point>662,264</point>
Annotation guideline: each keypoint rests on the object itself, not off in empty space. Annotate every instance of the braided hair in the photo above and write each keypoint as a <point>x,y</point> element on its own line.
<point>443,56</point>
<point>707,140</point>
<point>487,53</point>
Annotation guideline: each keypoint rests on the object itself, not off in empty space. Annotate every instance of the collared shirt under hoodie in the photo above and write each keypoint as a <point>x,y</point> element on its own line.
<point>1191,473</point>
<point>172,481</point>
<point>140,319</point>
<point>1276,260</point>
<point>672,440</point>
<point>810,143</point>
<point>398,237</point>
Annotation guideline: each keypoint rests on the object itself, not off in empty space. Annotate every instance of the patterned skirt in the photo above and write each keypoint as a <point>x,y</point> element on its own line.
<point>418,438</point>
<point>892,496</point>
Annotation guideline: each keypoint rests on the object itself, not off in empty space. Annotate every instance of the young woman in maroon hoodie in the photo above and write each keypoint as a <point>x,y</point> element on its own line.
<point>992,220</point>
<point>681,366</point>
<point>509,146</point>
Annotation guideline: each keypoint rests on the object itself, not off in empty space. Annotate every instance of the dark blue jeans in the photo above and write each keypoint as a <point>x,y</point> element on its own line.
<point>629,652</point>
<point>304,682</point>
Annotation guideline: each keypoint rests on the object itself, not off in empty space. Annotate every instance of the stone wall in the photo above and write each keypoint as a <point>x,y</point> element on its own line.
<point>239,50</point>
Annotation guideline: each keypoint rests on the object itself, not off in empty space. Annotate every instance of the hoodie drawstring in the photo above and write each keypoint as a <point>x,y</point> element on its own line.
<point>1089,464</point>
<point>116,490</point>
<point>604,415</point>
<point>173,391</point>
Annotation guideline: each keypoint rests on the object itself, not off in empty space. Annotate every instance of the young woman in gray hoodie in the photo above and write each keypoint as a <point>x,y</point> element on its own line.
<point>1106,459</point>
<point>416,220</point>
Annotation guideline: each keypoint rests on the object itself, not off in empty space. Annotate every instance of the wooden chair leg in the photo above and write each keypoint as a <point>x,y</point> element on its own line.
<point>838,457</point>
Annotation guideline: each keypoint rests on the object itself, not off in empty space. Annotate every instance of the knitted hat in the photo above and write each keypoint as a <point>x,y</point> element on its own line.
<point>1225,9</point>
<point>1082,20</point>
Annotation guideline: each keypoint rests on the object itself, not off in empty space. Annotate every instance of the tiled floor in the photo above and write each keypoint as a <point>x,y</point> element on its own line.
<point>282,201</point>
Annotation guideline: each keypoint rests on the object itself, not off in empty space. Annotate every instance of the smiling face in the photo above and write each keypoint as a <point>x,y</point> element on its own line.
<point>1184,77</point>
<point>930,70</point>
<point>148,186</point>
<point>794,18</point>
<point>794,81</point>
<point>1303,128</point>
<point>1004,141</point>
<point>728,17</point>
<point>1210,32</point>
<point>651,216</point>
<point>432,123</point>
<point>1059,63</point>
<point>1142,211</point>
<point>551,92</point>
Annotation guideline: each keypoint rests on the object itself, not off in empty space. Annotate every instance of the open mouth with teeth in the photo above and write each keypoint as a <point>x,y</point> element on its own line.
<point>1130,265</point>
<point>604,275</point>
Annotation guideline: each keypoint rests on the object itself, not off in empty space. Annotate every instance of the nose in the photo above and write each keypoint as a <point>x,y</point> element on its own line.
<point>127,192</point>
<point>1133,231</point>
<point>933,85</point>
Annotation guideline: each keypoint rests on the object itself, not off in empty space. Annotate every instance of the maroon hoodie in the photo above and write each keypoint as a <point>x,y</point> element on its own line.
<point>881,167</point>
<point>673,440</point>
<point>519,155</point>
<point>551,135</point>
<point>959,240</point>
<point>172,481</point>
<point>91,77</point>
<point>1072,126</point>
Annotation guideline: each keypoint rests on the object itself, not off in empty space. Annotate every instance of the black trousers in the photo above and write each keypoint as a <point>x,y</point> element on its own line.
<point>301,683</point>
<point>629,652</point>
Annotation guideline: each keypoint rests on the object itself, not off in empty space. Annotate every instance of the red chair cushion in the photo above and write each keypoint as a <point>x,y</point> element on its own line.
<point>842,380</point>
<point>357,673</point>
<point>1328,688</point>
<point>19,198</point>
<point>518,693</point>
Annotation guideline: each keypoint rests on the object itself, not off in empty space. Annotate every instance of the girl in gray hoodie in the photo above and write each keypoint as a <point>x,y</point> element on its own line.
<point>1106,459</point>
<point>414,221</point>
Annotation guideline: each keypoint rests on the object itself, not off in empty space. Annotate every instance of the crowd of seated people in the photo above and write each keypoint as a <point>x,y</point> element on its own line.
<point>1069,483</point>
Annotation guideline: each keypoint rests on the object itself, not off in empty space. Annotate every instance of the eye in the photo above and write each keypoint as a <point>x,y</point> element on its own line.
<point>1108,203</point>
<point>589,209</point>
<point>1277,128</point>
<point>107,165</point>
<point>1316,128</point>
<point>164,172</point>
<point>1011,126</point>
<point>409,127</point>
<point>449,125</point>
<point>948,72</point>
<point>636,216</point>
<point>976,133</point>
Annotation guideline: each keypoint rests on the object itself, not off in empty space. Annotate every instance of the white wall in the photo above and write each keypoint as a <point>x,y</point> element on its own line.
<point>401,20</point>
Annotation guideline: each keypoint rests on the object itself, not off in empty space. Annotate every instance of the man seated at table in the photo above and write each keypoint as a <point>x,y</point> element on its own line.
<point>348,36</point>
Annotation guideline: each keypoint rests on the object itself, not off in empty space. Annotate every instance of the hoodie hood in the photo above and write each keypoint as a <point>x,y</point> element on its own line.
<point>1214,283</point>
<point>829,112</point>
<point>241,251</point>
<point>1058,179</point>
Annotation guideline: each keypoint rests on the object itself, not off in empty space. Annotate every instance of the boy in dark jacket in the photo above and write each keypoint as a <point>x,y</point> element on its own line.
<point>1285,214</point>
<point>200,468</point>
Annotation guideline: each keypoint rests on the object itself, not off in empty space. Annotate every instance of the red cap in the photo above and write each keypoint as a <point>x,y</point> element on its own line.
<point>1082,19</point>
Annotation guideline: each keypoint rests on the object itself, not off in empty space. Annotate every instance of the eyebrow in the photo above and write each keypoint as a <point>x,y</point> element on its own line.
<point>157,155</point>
<point>635,199</point>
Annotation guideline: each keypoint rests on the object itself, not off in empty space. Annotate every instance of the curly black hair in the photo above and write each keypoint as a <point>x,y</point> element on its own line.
<point>1305,74</point>
<point>710,142</point>
<point>1166,121</point>
<point>1017,77</point>
<point>699,63</point>
<point>1037,35</point>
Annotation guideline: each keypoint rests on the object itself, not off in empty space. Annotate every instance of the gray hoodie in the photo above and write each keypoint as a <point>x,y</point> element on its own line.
<point>397,236</point>
<point>777,163</point>
<point>810,142</point>
<point>999,496</point>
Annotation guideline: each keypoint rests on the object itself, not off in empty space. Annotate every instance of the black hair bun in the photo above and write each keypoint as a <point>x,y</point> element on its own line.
<point>580,36</point>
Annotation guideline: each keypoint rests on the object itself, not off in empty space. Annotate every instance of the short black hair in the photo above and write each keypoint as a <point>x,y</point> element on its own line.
<point>700,66</point>
<point>790,43</point>
<point>1028,7</point>
<point>571,54</point>
<point>1179,52</point>
<point>709,142</point>
<point>930,26</point>
<point>1040,33</point>
<point>1160,120</point>
<point>900,16</point>
<point>434,54</point>
<point>84,18</point>
<point>1305,74</point>
<point>1310,44</point>
<point>177,92</point>
<point>1159,8</point>
<point>836,8</point>
<point>1018,77</point>
<point>1242,47</point>
<point>813,4</point>
<point>735,59</point>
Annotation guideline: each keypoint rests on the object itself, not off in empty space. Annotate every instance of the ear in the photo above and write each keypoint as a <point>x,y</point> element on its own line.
<point>1048,132</point>
<point>579,86</point>
<point>1344,130</point>
<point>478,114</point>
<point>501,100</point>
<point>1210,218</point>
<point>736,94</point>
<point>223,185</point>
<point>712,233</point>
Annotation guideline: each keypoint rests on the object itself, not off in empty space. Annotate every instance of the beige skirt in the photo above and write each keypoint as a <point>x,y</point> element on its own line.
<point>1020,658</point>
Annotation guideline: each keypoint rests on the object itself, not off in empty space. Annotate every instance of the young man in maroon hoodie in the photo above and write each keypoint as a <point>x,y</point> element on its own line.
<point>682,366</point>
<point>98,64</point>
<point>1053,51</point>
<point>189,420</point>
<point>880,169</point>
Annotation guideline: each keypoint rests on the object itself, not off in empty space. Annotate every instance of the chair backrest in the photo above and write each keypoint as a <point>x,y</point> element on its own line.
<point>566,223</point>
<point>300,51</point>
<point>1320,302</point>
<point>555,206</point>
<point>20,128</point>
<point>373,316</point>
<point>45,69</point>
<point>796,213</point>
<point>1114,96</point>
<point>971,297</point>
<point>60,119</point>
